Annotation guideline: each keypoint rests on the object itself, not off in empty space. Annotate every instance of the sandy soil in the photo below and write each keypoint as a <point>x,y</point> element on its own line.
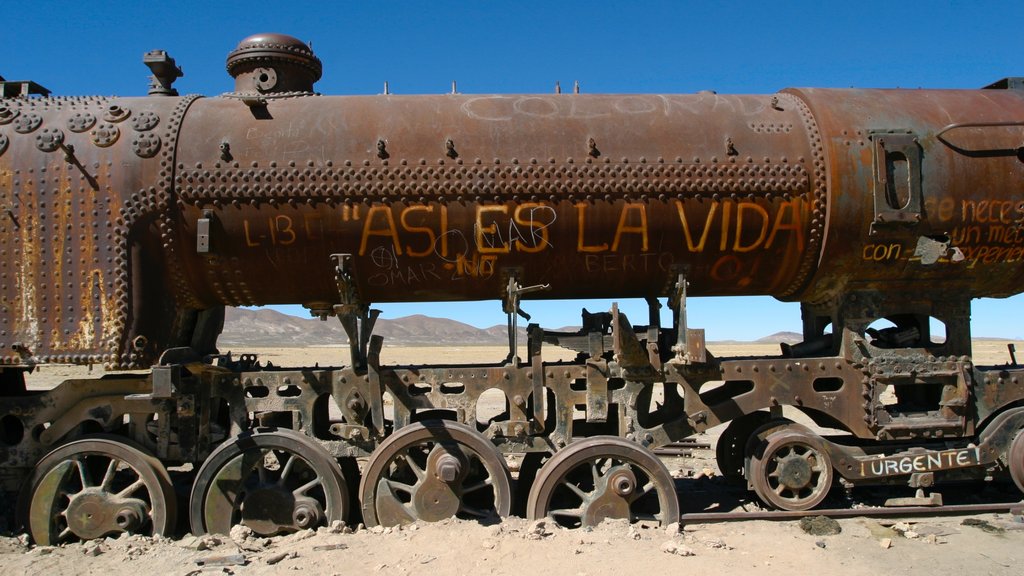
<point>986,544</point>
<point>864,547</point>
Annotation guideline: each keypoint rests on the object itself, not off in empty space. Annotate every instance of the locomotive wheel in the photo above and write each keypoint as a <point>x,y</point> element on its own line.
<point>1016,463</point>
<point>730,450</point>
<point>429,471</point>
<point>96,487</point>
<point>791,470</point>
<point>603,477</point>
<point>272,480</point>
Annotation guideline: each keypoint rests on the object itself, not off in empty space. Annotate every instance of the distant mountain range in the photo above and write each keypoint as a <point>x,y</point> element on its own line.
<point>267,327</point>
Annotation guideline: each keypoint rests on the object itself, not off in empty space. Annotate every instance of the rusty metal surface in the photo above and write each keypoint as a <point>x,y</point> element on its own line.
<point>522,192</point>
<point>978,224</point>
<point>84,182</point>
<point>127,224</point>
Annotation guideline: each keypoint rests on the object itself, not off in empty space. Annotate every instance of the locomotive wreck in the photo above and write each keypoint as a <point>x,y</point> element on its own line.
<point>132,222</point>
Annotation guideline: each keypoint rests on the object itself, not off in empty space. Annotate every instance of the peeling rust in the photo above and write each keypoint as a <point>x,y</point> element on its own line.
<point>131,223</point>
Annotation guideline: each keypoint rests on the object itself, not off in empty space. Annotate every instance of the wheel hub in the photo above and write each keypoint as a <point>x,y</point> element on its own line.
<point>611,498</point>
<point>94,513</point>
<point>437,497</point>
<point>794,472</point>
<point>433,470</point>
<point>267,511</point>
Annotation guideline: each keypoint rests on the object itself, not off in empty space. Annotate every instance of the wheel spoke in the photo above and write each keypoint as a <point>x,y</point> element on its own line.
<point>287,468</point>
<point>478,486</point>
<point>643,491</point>
<point>414,466</point>
<point>132,488</point>
<point>400,486</point>
<point>261,470</point>
<point>473,511</point>
<point>576,489</point>
<point>307,486</point>
<point>108,477</point>
<point>83,474</point>
<point>568,512</point>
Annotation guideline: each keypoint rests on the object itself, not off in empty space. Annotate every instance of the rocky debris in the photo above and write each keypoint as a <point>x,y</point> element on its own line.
<point>223,560</point>
<point>93,550</point>
<point>713,543</point>
<point>240,533</point>
<point>538,530</point>
<point>280,556</point>
<point>820,526</point>
<point>677,549</point>
<point>336,527</point>
<point>885,543</point>
<point>327,547</point>
<point>983,525</point>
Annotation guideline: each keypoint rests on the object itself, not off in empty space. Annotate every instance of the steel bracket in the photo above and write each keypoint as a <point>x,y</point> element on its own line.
<point>897,180</point>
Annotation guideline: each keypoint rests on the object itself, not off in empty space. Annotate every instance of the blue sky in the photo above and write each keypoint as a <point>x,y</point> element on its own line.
<point>75,47</point>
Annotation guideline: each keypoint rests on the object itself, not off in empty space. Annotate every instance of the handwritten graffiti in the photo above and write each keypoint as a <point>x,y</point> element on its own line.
<point>470,241</point>
<point>391,270</point>
<point>993,211</point>
<point>748,217</point>
<point>882,252</point>
<point>930,462</point>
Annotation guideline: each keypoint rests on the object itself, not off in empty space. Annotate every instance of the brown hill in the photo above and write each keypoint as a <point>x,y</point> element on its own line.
<point>267,327</point>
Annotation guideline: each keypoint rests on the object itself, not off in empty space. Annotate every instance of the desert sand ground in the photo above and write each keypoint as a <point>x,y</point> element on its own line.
<point>980,544</point>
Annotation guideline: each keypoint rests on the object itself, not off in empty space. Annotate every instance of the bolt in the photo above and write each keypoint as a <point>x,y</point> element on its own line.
<point>623,486</point>
<point>128,519</point>
<point>448,468</point>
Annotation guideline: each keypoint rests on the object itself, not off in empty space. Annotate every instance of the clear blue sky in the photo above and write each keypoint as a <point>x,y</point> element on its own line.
<point>76,47</point>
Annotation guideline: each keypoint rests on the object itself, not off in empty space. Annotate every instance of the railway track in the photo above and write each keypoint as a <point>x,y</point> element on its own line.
<point>692,448</point>
<point>1014,508</point>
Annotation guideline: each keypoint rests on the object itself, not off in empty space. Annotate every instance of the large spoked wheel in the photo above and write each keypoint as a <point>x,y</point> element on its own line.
<point>1016,463</point>
<point>433,470</point>
<point>603,477</point>
<point>730,451</point>
<point>271,480</point>
<point>791,470</point>
<point>97,487</point>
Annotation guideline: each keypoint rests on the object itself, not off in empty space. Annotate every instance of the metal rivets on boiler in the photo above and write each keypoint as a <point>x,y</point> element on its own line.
<point>145,120</point>
<point>49,139</point>
<point>8,114</point>
<point>116,113</point>
<point>146,144</point>
<point>105,134</point>
<point>3,143</point>
<point>81,122</point>
<point>27,123</point>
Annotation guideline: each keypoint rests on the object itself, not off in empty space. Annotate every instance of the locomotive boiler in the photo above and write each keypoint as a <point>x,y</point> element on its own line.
<point>132,222</point>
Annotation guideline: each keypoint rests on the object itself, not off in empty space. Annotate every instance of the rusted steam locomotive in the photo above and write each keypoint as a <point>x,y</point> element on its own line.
<point>130,223</point>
